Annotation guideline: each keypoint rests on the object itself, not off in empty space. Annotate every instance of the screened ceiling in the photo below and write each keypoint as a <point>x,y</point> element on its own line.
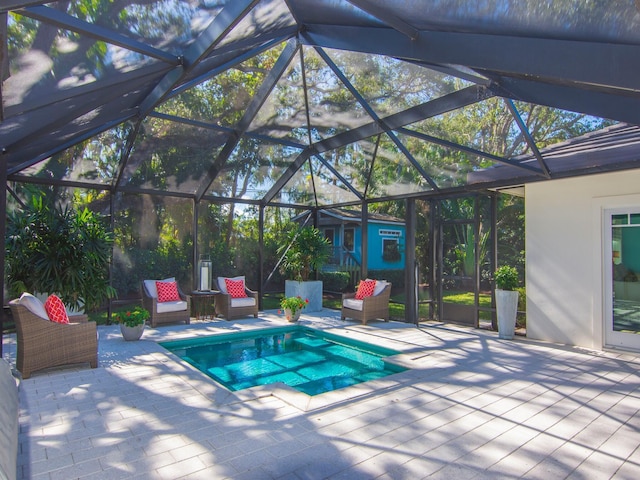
<point>309,102</point>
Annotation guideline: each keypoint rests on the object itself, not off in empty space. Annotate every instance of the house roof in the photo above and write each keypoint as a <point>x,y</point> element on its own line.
<point>310,103</point>
<point>347,215</point>
<point>612,148</point>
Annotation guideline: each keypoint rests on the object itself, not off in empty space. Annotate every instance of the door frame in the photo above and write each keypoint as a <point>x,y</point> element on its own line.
<point>610,337</point>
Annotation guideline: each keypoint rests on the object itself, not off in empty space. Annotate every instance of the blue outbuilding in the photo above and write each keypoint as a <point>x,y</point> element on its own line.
<point>385,240</point>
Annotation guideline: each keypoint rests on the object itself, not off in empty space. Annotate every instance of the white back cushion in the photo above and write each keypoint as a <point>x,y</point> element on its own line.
<point>222,285</point>
<point>380,284</point>
<point>34,305</point>
<point>150,285</point>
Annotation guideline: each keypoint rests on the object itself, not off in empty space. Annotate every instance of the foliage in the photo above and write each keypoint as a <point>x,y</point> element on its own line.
<point>335,281</point>
<point>135,264</point>
<point>306,250</point>
<point>131,317</point>
<point>153,240</point>
<point>506,278</point>
<point>293,303</point>
<point>59,250</point>
<point>511,232</point>
<point>521,318</point>
<point>396,277</point>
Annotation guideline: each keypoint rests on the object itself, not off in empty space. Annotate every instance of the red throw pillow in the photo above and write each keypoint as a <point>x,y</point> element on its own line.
<point>167,292</point>
<point>235,288</point>
<point>55,309</point>
<point>365,289</point>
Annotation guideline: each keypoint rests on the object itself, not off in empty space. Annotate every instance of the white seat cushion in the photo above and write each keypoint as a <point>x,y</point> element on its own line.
<point>150,285</point>
<point>165,307</point>
<point>243,302</point>
<point>34,305</point>
<point>353,304</point>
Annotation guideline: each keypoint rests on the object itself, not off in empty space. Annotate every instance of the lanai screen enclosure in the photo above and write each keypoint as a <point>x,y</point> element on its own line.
<point>184,107</point>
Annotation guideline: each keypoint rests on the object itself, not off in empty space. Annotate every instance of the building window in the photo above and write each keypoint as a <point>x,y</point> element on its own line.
<point>348,239</point>
<point>328,234</point>
<point>390,250</point>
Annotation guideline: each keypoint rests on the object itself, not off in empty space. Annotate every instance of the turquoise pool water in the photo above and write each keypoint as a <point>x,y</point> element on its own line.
<point>308,360</point>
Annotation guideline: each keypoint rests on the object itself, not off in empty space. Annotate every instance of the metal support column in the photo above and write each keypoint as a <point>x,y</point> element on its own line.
<point>494,256</point>
<point>433,259</point>
<point>112,226</point>
<point>194,267</point>
<point>364,242</point>
<point>260,254</point>
<point>410,264</point>
<point>3,233</point>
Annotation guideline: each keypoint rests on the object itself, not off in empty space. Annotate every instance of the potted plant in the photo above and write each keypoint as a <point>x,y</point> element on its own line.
<point>131,321</point>
<point>306,250</point>
<point>292,307</point>
<point>506,279</point>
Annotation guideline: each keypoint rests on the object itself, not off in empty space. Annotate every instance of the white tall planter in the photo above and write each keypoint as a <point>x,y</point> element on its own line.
<point>507,309</point>
<point>306,290</point>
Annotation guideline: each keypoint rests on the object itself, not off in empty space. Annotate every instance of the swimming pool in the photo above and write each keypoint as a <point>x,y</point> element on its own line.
<point>308,360</point>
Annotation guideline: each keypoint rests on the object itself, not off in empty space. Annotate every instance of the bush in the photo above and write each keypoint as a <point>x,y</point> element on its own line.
<point>335,281</point>
<point>506,278</point>
<point>396,277</point>
<point>51,249</point>
<point>521,319</point>
<point>136,264</point>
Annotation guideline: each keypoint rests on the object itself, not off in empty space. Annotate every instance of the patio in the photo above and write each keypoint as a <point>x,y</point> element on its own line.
<point>473,406</point>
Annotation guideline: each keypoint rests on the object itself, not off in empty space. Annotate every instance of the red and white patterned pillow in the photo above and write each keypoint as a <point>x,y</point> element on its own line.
<point>235,288</point>
<point>167,292</point>
<point>365,289</point>
<point>55,309</point>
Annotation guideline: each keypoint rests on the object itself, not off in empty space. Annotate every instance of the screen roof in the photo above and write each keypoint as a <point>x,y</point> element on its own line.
<point>312,102</point>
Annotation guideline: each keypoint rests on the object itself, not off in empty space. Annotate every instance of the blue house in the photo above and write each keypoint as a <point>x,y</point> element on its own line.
<point>385,244</point>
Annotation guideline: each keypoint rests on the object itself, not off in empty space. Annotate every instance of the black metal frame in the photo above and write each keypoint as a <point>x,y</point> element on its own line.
<point>595,77</point>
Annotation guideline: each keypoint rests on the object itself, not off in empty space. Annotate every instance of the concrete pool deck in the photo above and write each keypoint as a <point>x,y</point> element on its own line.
<point>472,406</point>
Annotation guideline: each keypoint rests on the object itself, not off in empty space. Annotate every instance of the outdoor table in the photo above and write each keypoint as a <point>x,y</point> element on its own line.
<point>203,303</point>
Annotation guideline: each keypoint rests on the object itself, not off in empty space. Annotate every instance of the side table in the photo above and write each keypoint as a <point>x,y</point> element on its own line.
<point>203,303</point>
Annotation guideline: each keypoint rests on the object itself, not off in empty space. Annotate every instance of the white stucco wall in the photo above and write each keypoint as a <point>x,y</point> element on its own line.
<point>564,264</point>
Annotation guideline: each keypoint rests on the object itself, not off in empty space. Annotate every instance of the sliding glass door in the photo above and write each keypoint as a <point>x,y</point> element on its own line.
<point>622,280</point>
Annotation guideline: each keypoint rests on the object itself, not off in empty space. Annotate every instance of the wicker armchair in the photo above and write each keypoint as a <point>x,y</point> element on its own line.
<point>224,304</point>
<point>374,307</point>
<point>182,314</point>
<point>43,343</point>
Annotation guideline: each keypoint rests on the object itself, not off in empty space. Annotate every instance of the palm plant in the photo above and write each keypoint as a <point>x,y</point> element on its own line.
<point>306,250</point>
<point>59,250</point>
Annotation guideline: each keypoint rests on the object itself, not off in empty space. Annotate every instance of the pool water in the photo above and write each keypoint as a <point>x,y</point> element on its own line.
<point>308,360</point>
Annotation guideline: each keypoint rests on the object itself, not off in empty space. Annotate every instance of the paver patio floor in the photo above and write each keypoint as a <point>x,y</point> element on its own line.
<point>472,406</point>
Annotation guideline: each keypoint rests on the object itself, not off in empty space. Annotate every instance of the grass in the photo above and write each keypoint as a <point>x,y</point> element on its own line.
<point>467,298</point>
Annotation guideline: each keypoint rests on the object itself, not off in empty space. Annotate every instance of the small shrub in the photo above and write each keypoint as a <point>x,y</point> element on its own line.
<point>335,281</point>
<point>506,278</point>
<point>396,277</point>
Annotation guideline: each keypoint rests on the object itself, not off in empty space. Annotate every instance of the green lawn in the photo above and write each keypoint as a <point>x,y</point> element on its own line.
<point>467,298</point>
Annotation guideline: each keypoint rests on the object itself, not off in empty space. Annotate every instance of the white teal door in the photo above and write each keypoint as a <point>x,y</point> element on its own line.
<point>622,280</point>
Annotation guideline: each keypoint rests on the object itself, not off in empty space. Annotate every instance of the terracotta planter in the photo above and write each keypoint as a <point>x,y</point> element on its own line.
<point>291,317</point>
<point>131,333</point>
